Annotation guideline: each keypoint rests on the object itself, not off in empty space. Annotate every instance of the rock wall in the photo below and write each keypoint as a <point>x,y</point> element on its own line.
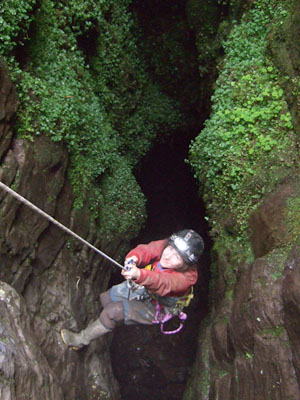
<point>47,274</point>
<point>250,349</point>
<point>249,346</point>
<point>24,370</point>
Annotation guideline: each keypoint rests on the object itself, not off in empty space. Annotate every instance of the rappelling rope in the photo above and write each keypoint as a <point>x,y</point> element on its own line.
<point>61,226</point>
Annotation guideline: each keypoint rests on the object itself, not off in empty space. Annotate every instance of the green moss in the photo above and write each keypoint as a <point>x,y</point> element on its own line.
<point>276,261</point>
<point>121,212</point>
<point>291,214</point>
<point>82,81</point>
<point>263,282</point>
<point>228,254</point>
<point>249,356</point>
<point>204,17</point>
<point>250,125</point>
<point>276,331</point>
<point>15,18</point>
<point>204,381</point>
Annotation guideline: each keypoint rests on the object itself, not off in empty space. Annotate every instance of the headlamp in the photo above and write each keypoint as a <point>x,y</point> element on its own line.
<point>180,244</point>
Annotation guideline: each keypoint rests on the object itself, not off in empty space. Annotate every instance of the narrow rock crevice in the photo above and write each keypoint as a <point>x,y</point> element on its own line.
<point>60,282</point>
<point>146,363</point>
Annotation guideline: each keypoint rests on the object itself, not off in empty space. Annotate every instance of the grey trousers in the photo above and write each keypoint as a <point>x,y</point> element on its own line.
<point>120,304</point>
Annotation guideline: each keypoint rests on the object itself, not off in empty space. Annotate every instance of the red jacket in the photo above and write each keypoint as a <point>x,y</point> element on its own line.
<point>166,282</point>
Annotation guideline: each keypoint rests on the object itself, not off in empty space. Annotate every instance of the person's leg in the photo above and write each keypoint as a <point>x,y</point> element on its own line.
<point>105,298</point>
<point>112,314</point>
<point>77,340</point>
<point>108,319</point>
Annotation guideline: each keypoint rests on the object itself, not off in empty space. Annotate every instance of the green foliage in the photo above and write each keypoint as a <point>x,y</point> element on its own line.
<point>57,98</point>
<point>142,128</point>
<point>204,17</point>
<point>135,106</point>
<point>235,7</point>
<point>124,208</point>
<point>15,17</point>
<point>248,141</point>
<point>168,43</point>
<point>83,81</point>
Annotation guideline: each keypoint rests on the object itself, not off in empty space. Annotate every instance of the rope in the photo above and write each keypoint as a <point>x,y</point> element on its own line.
<point>61,226</point>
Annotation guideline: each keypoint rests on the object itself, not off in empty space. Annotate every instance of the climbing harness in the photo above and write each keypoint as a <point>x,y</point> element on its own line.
<point>164,313</point>
<point>63,227</point>
<point>161,317</point>
<point>166,308</point>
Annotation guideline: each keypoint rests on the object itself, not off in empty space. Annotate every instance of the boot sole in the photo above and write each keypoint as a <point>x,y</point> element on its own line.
<point>64,340</point>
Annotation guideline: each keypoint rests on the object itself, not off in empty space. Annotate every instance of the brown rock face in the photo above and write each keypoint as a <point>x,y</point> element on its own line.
<point>267,224</point>
<point>253,351</point>
<point>291,302</point>
<point>253,347</point>
<point>25,373</point>
<point>51,271</point>
<point>8,107</point>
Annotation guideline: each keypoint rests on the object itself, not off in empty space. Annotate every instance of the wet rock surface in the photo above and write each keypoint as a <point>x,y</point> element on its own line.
<point>8,107</point>
<point>52,272</point>
<point>268,222</point>
<point>250,346</point>
<point>25,372</point>
<point>291,302</point>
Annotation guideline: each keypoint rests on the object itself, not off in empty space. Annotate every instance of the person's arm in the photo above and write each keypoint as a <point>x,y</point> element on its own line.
<point>145,254</point>
<point>164,283</point>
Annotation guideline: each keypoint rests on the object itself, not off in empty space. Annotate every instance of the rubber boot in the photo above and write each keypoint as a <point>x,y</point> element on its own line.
<point>83,338</point>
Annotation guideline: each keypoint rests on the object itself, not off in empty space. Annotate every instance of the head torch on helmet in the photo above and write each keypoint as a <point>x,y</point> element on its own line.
<point>189,245</point>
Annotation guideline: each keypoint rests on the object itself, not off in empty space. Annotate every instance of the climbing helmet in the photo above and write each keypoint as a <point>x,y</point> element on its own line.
<point>189,245</point>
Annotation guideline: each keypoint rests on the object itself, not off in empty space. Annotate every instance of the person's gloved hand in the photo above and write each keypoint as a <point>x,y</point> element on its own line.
<point>131,261</point>
<point>133,272</point>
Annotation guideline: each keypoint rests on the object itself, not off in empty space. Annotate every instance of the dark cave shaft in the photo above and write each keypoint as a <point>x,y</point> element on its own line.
<point>146,363</point>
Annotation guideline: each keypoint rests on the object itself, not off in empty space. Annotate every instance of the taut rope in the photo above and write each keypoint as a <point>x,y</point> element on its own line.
<point>61,226</point>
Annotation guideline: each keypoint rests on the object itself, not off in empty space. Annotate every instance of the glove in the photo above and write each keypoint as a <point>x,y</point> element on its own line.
<point>129,262</point>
